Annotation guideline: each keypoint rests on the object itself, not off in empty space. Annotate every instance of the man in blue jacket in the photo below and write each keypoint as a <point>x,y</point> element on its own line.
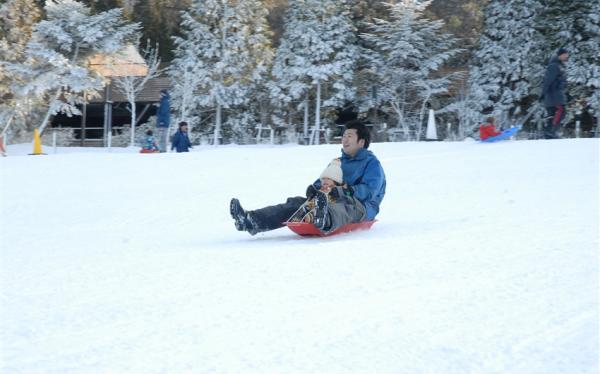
<point>163,120</point>
<point>553,93</point>
<point>364,185</point>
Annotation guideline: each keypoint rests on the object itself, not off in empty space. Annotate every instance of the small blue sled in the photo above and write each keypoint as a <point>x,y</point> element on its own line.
<point>503,135</point>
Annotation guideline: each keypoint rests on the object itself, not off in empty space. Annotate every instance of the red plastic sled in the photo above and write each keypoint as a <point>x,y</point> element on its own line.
<point>149,151</point>
<point>308,229</point>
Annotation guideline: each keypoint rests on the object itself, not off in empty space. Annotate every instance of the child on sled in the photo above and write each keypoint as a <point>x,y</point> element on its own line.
<point>329,210</point>
<point>151,146</point>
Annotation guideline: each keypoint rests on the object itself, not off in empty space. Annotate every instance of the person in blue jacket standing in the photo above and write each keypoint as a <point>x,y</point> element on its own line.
<point>364,183</point>
<point>181,141</point>
<point>163,119</point>
<point>553,93</point>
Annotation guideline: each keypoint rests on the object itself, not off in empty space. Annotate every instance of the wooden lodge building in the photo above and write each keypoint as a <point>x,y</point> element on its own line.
<point>109,112</point>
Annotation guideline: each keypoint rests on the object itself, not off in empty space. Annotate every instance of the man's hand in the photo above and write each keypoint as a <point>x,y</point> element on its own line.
<point>346,190</point>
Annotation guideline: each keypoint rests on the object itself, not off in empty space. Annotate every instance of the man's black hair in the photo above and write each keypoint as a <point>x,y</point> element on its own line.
<point>182,123</point>
<point>361,131</point>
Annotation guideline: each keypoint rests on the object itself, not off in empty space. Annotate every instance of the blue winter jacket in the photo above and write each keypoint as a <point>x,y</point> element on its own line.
<point>555,83</point>
<point>181,142</point>
<point>364,174</point>
<point>151,143</point>
<point>163,114</point>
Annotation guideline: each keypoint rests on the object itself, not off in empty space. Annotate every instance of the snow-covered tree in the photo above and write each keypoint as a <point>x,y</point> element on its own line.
<point>131,86</point>
<point>508,64</point>
<point>409,51</point>
<point>318,49</point>
<point>18,18</point>
<point>187,73</point>
<point>57,55</point>
<point>465,111</point>
<point>223,54</point>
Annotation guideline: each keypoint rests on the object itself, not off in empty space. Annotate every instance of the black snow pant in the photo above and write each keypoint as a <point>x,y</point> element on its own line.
<point>346,209</point>
<point>272,217</point>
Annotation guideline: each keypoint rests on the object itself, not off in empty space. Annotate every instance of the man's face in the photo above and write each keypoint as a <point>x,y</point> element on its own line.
<point>350,142</point>
<point>564,57</point>
<point>184,128</point>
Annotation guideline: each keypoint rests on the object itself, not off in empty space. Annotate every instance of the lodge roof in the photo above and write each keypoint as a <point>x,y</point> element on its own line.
<point>125,63</point>
<point>150,92</point>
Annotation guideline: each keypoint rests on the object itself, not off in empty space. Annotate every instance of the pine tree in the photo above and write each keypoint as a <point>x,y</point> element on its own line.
<point>508,64</point>
<point>409,50</point>
<point>225,45</point>
<point>161,20</point>
<point>18,18</point>
<point>59,50</point>
<point>318,49</point>
<point>364,13</point>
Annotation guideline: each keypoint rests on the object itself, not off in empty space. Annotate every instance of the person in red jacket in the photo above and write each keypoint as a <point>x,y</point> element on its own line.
<point>488,130</point>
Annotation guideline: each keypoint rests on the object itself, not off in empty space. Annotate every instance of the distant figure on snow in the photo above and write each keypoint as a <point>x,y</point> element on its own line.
<point>361,194</point>
<point>163,119</point>
<point>181,141</point>
<point>488,129</point>
<point>150,146</point>
<point>553,93</point>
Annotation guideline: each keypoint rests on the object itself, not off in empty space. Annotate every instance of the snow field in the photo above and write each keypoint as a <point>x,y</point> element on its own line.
<point>484,260</point>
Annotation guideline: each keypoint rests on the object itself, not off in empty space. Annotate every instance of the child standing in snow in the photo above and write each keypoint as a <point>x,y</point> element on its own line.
<point>488,130</point>
<point>151,146</point>
<point>181,140</point>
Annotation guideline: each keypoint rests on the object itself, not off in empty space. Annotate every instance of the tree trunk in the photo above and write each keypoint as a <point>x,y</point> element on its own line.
<point>49,111</point>
<point>217,125</point>
<point>133,120</point>
<point>318,114</point>
<point>306,119</point>
<point>7,124</point>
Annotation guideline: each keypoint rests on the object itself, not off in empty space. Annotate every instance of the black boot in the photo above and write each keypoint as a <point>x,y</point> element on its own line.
<point>321,217</point>
<point>243,219</point>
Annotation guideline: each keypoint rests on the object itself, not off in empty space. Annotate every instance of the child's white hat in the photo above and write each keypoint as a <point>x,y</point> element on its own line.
<point>333,171</point>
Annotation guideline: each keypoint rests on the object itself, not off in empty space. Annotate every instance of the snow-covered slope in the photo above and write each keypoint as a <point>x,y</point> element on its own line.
<point>485,260</point>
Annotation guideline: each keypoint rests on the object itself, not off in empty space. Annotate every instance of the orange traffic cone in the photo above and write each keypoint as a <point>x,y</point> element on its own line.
<point>37,143</point>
